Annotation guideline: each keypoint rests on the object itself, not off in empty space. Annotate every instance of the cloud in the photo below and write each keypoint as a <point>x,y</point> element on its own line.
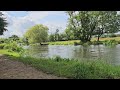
<point>19,25</point>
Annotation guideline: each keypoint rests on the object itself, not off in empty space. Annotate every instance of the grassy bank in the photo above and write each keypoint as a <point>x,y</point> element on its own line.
<point>63,42</point>
<point>69,68</point>
<point>72,42</point>
<point>5,52</point>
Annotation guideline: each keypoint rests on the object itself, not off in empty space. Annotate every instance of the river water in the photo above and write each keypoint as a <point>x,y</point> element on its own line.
<point>110,54</point>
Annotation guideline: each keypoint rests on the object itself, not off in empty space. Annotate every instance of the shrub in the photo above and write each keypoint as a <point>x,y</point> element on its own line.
<point>112,35</point>
<point>110,42</point>
<point>13,46</point>
<point>77,43</point>
<point>2,46</point>
<point>96,42</point>
<point>86,44</point>
<point>58,58</point>
<point>119,42</point>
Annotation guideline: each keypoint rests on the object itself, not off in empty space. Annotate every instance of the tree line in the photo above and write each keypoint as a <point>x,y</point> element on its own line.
<point>82,25</point>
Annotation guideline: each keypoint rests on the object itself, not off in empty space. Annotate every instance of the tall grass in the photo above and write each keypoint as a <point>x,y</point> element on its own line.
<point>74,69</point>
<point>110,42</point>
<point>69,68</point>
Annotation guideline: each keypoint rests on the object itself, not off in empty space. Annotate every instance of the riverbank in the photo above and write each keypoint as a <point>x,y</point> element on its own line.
<point>93,41</point>
<point>13,69</point>
<point>70,68</point>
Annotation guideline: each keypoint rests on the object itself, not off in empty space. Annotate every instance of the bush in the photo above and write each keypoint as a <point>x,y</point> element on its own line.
<point>58,58</point>
<point>2,46</point>
<point>13,46</point>
<point>103,36</point>
<point>119,42</point>
<point>77,43</point>
<point>86,44</point>
<point>97,42</point>
<point>118,35</point>
<point>110,42</point>
<point>112,35</point>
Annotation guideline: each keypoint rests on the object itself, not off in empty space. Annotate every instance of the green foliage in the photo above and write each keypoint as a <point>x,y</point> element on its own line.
<point>87,23</point>
<point>37,34</point>
<point>14,38</point>
<point>112,35</point>
<point>73,68</point>
<point>24,41</point>
<point>2,46</point>
<point>83,23</point>
<point>110,42</point>
<point>62,43</point>
<point>51,37</point>
<point>104,36</point>
<point>13,47</point>
<point>97,42</point>
<point>5,51</point>
<point>3,24</point>
<point>119,42</point>
<point>69,34</point>
<point>57,36</point>
<point>77,43</point>
<point>57,58</point>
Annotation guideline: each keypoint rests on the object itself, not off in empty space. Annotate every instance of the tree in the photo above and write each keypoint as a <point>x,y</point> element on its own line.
<point>37,34</point>
<point>3,24</point>
<point>69,34</point>
<point>83,23</point>
<point>52,37</point>
<point>14,38</point>
<point>25,40</point>
<point>108,22</point>
<point>57,35</point>
<point>88,23</point>
<point>62,37</point>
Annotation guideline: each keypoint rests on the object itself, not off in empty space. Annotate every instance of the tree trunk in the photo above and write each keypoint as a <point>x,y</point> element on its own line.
<point>98,38</point>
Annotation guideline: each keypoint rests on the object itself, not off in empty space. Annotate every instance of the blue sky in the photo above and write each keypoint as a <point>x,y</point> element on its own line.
<point>21,21</point>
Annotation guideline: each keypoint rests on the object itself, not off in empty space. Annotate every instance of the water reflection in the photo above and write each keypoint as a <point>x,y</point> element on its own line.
<point>110,54</point>
<point>37,51</point>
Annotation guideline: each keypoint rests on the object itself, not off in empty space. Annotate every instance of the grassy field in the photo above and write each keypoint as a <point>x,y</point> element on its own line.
<point>5,52</point>
<point>71,42</point>
<point>69,68</point>
<point>108,38</point>
<point>64,42</point>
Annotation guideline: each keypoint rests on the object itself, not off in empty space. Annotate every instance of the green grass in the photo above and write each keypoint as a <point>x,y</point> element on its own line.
<point>63,42</point>
<point>71,42</point>
<point>5,51</point>
<point>70,68</point>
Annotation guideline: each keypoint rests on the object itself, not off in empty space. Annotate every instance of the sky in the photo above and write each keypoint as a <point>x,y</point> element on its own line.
<point>21,21</point>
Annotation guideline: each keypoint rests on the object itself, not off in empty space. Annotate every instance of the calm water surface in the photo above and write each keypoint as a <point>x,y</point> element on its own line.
<point>110,54</point>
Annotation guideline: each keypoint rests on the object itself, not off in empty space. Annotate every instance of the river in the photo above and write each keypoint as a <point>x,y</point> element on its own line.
<point>93,52</point>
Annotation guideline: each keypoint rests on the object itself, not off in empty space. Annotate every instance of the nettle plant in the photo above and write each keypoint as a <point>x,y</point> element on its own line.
<point>13,46</point>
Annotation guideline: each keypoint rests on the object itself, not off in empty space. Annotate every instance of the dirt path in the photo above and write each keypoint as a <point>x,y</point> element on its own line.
<point>17,70</point>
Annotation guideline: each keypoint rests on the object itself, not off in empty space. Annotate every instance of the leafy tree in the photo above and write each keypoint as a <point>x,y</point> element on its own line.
<point>87,23</point>
<point>52,37</point>
<point>25,40</point>
<point>3,24</point>
<point>37,34</point>
<point>69,34</point>
<point>83,23</point>
<point>14,38</point>
<point>108,22</point>
<point>62,37</point>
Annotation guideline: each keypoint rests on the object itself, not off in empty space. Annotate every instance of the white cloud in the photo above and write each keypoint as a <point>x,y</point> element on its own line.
<point>19,25</point>
<point>53,26</point>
